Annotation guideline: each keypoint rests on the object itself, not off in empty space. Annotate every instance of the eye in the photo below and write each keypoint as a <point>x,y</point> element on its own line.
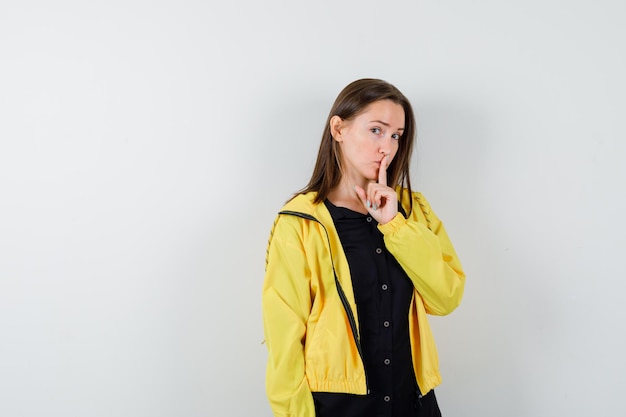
<point>396,136</point>
<point>375,130</point>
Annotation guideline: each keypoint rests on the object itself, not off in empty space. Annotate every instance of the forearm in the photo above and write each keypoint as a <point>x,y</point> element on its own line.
<point>429,259</point>
<point>286,385</point>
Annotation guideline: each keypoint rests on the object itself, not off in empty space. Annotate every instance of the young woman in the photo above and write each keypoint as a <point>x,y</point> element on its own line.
<point>355,262</point>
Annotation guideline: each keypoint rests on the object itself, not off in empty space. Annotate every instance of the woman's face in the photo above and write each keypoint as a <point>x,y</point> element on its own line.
<point>367,138</point>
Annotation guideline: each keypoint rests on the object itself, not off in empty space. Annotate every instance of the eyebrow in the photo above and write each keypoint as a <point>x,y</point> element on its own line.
<point>384,123</point>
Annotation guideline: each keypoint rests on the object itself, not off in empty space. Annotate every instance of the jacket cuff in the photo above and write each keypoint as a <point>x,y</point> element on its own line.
<point>393,225</point>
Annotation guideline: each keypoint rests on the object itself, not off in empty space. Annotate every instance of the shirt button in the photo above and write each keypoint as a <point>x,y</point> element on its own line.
<point>384,287</point>
<point>387,361</point>
<point>387,398</point>
<point>379,251</point>
<point>386,323</point>
<point>369,219</point>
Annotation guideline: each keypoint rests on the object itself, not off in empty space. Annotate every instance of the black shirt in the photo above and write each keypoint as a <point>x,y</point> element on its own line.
<point>383,294</point>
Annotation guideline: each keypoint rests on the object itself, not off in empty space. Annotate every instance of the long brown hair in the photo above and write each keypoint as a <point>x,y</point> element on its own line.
<point>350,102</point>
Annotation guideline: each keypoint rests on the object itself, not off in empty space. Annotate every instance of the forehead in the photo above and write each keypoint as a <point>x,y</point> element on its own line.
<point>385,111</point>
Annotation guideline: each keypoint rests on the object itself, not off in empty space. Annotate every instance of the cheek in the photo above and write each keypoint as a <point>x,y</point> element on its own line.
<point>394,151</point>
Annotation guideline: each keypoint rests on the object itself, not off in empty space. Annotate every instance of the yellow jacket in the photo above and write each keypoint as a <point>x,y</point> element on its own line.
<point>309,311</point>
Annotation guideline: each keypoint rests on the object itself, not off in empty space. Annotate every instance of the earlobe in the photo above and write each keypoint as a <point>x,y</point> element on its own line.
<point>335,127</point>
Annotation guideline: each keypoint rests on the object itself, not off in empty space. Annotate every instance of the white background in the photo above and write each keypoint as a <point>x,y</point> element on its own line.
<point>145,147</point>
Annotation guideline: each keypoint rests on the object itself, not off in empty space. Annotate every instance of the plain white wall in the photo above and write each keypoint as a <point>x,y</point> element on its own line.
<point>145,148</point>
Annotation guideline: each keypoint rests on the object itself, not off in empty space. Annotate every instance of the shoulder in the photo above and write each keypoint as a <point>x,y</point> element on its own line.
<point>292,217</point>
<point>417,207</point>
<point>411,199</point>
<point>302,203</point>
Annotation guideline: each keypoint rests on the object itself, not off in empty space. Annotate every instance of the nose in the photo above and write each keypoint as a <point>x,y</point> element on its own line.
<point>385,146</point>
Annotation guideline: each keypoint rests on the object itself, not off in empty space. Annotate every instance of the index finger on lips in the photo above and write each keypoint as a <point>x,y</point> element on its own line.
<point>382,171</point>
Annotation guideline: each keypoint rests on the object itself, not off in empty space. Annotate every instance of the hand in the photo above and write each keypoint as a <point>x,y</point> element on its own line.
<point>380,201</point>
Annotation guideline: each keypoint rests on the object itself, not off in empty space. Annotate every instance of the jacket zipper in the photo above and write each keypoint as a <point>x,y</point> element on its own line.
<point>342,295</point>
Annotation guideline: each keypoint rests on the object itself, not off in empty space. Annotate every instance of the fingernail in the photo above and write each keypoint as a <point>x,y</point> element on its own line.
<point>375,207</point>
<point>368,204</point>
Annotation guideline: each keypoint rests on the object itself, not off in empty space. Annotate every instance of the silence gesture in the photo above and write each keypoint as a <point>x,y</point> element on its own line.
<point>380,200</point>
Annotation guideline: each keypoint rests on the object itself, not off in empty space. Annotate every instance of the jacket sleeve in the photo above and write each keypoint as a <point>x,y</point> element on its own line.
<point>422,247</point>
<point>286,302</point>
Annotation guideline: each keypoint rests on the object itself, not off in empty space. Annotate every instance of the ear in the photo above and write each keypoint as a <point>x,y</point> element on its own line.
<point>335,127</point>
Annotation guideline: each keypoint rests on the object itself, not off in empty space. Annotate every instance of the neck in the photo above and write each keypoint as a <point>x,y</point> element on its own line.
<point>344,195</point>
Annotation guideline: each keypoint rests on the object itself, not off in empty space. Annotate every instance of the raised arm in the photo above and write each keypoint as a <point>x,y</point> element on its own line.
<point>422,247</point>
